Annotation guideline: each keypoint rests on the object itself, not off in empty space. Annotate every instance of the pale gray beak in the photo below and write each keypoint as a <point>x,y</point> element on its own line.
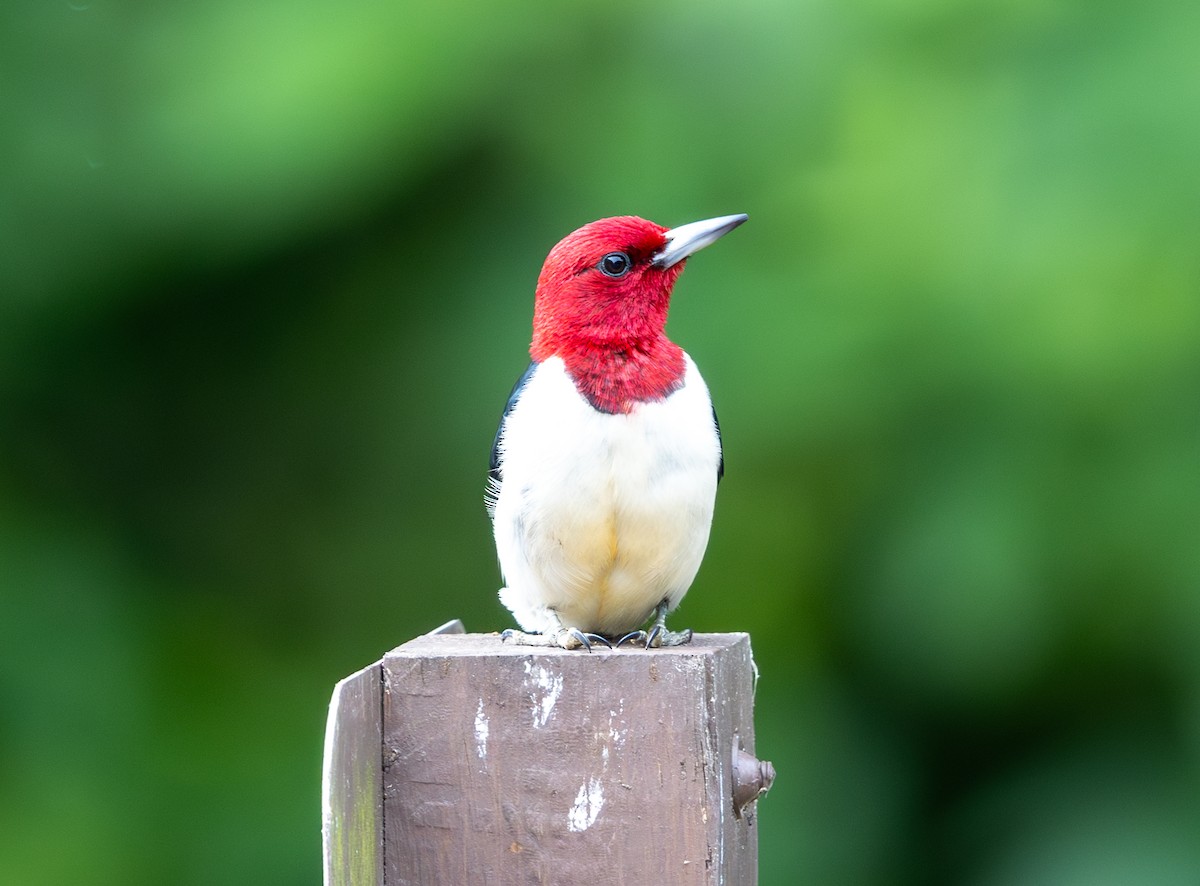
<point>686,239</point>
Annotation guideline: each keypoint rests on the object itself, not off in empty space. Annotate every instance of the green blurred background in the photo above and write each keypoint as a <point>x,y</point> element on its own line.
<point>266,278</point>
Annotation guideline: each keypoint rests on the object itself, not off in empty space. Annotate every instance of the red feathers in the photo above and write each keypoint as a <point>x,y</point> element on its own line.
<point>609,330</point>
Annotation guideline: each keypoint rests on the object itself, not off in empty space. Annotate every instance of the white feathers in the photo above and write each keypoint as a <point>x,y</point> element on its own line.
<point>600,517</point>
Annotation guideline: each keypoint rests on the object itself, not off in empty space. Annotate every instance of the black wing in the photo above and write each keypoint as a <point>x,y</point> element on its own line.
<point>495,477</point>
<point>720,447</point>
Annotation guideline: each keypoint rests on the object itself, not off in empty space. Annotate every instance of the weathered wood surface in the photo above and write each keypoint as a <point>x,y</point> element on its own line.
<point>351,786</point>
<point>352,778</point>
<point>510,765</point>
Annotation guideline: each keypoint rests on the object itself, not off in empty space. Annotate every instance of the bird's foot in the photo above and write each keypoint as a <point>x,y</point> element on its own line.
<point>565,638</point>
<point>633,638</point>
<point>660,636</point>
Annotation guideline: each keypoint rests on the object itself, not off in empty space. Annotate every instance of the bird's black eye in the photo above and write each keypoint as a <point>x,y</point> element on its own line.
<point>615,264</point>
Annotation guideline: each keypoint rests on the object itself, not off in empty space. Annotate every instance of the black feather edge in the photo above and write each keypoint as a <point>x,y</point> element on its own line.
<point>495,473</point>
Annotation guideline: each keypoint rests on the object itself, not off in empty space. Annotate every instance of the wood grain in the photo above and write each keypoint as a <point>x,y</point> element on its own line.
<point>352,787</point>
<point>512,765</point>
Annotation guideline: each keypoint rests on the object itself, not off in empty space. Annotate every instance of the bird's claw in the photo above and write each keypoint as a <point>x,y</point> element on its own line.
<point>660,636</point>
<point>520,638</point>
<point>573,638</point>
<point>633,638</point>
<point>565,638</point>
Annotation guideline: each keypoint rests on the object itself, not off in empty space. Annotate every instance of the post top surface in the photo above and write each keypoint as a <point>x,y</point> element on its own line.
<point>468,645</point>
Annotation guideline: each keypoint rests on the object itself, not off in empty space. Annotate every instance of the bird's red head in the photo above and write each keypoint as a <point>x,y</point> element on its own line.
<point>599,290</point>
<point>602,301</point>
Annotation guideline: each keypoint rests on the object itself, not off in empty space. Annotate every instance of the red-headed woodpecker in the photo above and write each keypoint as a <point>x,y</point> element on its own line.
<point>605,466</point>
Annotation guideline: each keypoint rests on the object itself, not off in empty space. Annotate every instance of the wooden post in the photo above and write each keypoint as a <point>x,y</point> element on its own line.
<point>352,782</point>
<point>504,764</point>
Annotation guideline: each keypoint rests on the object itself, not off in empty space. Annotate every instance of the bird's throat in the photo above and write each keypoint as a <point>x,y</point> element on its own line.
<point>615,380</point>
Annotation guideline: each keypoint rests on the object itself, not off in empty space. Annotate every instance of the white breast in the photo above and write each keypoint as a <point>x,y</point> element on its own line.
<point>600,517</point>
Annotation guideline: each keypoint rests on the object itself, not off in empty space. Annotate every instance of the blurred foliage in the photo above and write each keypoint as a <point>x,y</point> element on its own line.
<point>266,277</point>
